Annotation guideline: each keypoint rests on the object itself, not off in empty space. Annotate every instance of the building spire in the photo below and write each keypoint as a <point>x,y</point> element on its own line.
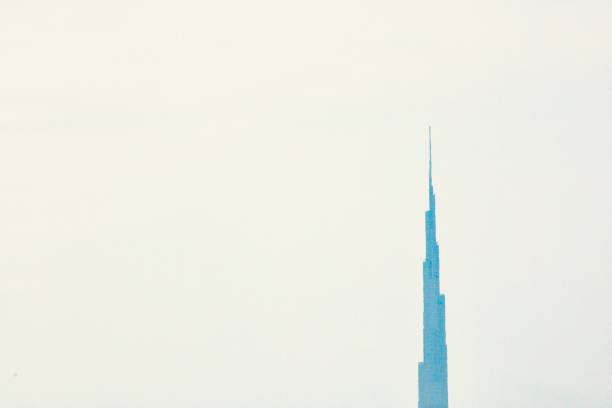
<point>429,132</point>
<point>432,199</point>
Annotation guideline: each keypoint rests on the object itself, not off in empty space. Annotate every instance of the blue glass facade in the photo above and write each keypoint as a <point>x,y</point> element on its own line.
<point>433,370</point>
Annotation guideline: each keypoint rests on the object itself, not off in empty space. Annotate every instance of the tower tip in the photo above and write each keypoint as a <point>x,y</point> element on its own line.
<point>429,134</point>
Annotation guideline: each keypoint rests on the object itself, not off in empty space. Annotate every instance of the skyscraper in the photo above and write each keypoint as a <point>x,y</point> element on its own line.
<point>433,370</point>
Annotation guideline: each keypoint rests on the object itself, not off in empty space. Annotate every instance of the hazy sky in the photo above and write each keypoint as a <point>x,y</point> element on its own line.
<point>221,204</point>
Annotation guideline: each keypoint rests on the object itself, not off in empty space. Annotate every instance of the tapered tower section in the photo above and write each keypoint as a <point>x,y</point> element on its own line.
<point>433,370</point>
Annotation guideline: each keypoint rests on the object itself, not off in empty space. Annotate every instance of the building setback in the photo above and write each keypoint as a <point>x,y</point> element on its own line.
<point>433,370</point>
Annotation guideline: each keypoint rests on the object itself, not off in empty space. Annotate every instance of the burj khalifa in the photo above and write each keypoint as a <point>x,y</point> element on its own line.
<point>433,370</point>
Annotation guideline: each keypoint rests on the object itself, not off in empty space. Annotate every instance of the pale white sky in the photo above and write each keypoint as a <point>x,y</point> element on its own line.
<point>220,204</point>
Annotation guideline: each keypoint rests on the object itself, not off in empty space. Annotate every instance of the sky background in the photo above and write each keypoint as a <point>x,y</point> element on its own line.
<point>221,204</point>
